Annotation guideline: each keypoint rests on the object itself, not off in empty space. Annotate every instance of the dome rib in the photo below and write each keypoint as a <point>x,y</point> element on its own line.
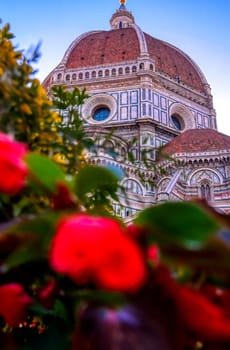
<point>74,43</point>
<point>142,40</point>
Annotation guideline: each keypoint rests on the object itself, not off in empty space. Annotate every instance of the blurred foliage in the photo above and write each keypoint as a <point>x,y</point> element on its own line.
<point>24,105</point>
<point>72,151</point>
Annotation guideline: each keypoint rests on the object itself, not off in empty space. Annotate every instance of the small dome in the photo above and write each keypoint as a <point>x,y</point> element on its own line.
<point>198,140</point>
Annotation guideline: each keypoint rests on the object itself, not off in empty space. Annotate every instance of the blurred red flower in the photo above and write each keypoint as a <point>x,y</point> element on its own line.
<point>198,312</point>
<point>14,303</point>
<point>88,248</point>
<point>134,231</point>
<point>153,254</point>
<point>63,198</point>
<point>202,316</point>
<point>13,169</point>
<point>123,268</point>
<point>46,294</point>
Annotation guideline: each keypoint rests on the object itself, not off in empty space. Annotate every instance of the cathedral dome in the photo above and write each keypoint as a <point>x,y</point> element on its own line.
<point>104,47</point>
<point>198,140</point>
<point>126,42</point>
<point>119,45</point>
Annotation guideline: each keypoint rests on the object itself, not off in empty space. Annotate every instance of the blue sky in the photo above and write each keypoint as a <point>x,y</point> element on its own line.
<point>201,28</point>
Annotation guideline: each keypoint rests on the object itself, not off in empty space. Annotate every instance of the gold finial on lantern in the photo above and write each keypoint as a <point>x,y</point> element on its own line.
<point>122,2</point>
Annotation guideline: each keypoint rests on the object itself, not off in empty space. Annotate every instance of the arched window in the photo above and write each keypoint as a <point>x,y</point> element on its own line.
<point>94,74</point>
<point>133,186</point>
<point>108,145</point>
<point>87,75</point>
<point>80,76</point>
<point>67,77</point>
<point>113,71</point>
<point>74,76</point>
<point>142,66</point>
<point>120,71</point>
<point>100,73</point>
<point>205,190</point>
<point>123,152</point>
<point>134,69</point>
<point>127,70</point>
<point>59,76</point>
<point>107,72</point>
<point>150,187</point>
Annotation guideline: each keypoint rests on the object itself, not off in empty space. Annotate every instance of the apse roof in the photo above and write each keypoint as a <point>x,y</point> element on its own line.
<point>197,140</point>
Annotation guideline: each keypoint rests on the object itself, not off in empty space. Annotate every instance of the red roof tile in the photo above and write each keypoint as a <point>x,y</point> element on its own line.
<point>105,47</point>
<point>198,140</point>
<point>172,62</point>
<point>119,45</point>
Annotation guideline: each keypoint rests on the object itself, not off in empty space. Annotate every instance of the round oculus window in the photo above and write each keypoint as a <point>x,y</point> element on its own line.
<point>100,114</point>
<point>177,122</point>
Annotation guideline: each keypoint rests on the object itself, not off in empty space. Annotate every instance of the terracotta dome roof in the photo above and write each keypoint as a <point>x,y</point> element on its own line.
<point>104,47</point>
<point>120,45</point>
<point>198,140</point>
<point>172,61</point>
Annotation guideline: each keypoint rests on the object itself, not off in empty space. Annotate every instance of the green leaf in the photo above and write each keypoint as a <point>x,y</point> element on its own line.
<point>100,296</point>
<point>43,224</point>
<point>38,232</point>
<point>213,258</point>
<point>44,171</point>
<point>22,255</point>
<point>183,223</point>
<point>91,179</point>
<point>60,310</point>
